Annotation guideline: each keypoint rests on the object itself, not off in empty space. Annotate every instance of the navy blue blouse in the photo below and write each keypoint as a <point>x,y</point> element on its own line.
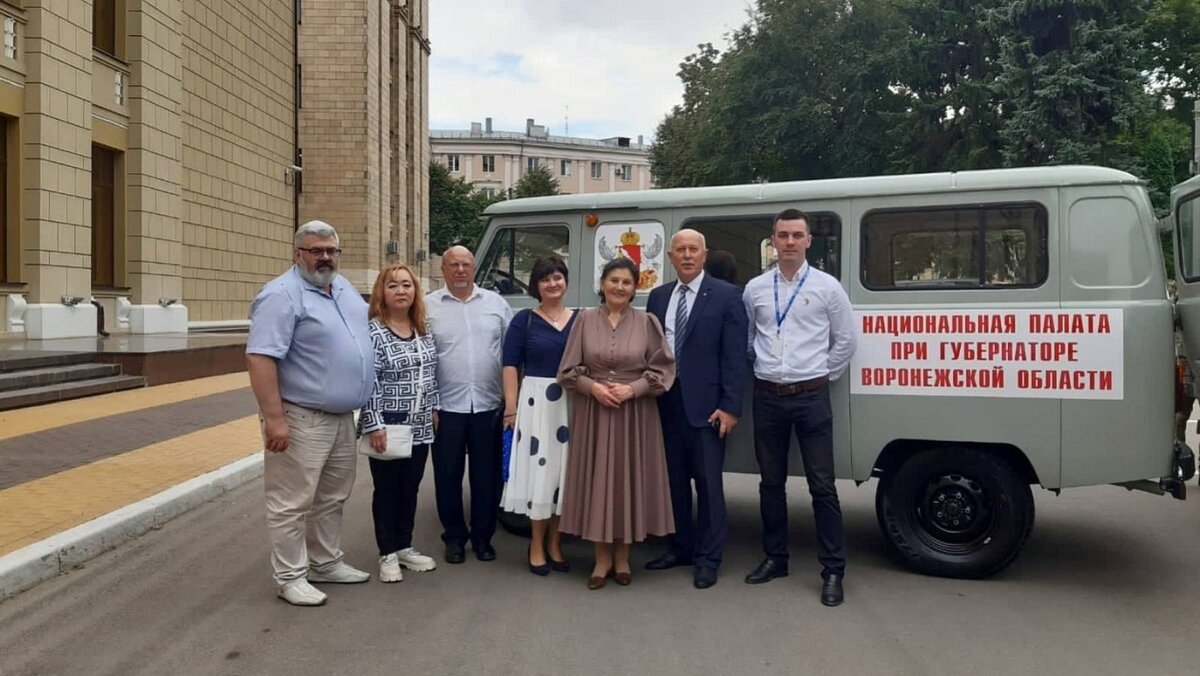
<point>540,348</point>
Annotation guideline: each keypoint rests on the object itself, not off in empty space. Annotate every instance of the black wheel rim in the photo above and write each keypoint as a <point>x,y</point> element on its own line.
<point>954,514</point>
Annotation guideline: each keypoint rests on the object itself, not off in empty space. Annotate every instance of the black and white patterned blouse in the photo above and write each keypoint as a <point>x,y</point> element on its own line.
<point>406,389</point>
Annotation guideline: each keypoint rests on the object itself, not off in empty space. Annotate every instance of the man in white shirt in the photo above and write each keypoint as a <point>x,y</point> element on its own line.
<point>801,337</point>
<point>468,325</point>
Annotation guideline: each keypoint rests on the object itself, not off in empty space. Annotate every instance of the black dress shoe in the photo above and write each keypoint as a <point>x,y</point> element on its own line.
<point>485,552</point>
<point>668,560</point>
<point>560,566</point>
<point>831,591</point>
<point>543,570</point>
<point>455,553</point>
<point>704,577</point>
<point>767,570</point>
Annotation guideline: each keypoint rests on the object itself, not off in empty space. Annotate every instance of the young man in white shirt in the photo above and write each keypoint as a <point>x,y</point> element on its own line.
<point>801,337</point>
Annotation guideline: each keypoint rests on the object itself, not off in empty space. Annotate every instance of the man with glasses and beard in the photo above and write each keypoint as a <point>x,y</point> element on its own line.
<point>311,365</point>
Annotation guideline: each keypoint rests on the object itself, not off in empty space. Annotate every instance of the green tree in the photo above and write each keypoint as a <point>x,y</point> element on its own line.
<point>947,65</point>
<point>802,92</point>
<point>454,210</point>
<point>1068,80</point>
<point>536,182</point>
<point>1172,37</point>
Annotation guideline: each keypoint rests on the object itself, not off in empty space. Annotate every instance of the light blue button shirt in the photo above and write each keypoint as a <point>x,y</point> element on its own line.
<point>321,342</point>
<point>469,336</point>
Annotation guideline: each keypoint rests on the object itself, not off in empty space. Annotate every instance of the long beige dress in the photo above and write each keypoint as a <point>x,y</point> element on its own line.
<point>616,488</point>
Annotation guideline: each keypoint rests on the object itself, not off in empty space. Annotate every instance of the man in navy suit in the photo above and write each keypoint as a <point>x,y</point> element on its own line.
<point>706,326</point>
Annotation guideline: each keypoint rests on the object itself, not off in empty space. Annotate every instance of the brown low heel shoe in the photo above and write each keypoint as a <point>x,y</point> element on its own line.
<point>597,582</point>
<point>624,579</point>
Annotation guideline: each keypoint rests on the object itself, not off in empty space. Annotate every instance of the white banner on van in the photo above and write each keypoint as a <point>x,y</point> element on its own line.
<point>1046,354</point>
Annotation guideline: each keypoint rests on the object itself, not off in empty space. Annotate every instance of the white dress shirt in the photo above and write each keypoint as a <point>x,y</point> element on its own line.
<point>673,305</point>
<point>817,334</point>
<point>469,336</point>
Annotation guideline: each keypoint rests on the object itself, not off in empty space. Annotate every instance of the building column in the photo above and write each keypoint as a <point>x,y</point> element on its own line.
<point>153,167</point>
<point>56,199</point>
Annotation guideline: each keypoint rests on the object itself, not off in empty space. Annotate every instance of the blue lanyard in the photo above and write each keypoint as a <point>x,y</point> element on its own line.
<point>795,292</point>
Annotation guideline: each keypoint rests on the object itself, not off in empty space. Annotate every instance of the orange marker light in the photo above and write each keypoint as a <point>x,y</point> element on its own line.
<point>592,219</point>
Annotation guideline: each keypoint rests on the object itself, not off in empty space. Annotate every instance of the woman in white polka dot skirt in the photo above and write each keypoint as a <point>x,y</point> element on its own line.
<point>536,407</point>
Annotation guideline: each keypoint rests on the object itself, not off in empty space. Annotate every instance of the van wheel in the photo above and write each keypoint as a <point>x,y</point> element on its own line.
<point>955,512</point>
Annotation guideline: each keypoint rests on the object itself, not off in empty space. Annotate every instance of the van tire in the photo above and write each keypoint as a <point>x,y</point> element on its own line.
<point>985,516</point>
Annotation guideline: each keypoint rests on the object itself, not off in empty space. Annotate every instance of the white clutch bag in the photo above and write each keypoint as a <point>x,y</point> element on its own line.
<point>399,443</point>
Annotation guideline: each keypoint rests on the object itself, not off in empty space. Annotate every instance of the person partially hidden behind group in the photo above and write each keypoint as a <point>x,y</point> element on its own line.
<point>616,361</point>
<point>406,393</point>
<point>537,412</point>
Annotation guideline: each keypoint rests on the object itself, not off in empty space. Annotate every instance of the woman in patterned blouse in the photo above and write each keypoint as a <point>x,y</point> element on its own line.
<point>406,393</point>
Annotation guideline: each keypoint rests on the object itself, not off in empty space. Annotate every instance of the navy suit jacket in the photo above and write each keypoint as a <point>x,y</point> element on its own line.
<point>710,352</point>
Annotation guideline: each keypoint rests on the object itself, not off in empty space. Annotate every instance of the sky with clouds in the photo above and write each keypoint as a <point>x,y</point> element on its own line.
<point>610,65</point>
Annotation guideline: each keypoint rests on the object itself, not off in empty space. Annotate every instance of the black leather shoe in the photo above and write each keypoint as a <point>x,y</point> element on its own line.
<point>543,570</point>
<point>767,570</point>
<point>560,566</point>
<point>704,577</point>
<point>455,553</point>
<point>831,591</point>
<point>485,552</point>
<point>668,560</point>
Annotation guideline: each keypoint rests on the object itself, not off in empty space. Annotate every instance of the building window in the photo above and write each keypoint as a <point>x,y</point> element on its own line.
<point>452,162</point>
<point>10,37</point>
<point>970,247</point>
<point>626,172</point>
<point>489,164</point>
<point>104,216</point>
<point>597,170</point>
<point>104,26</point>
<point>119,88</point>
<point>564,167</point>
<point>531,163</point>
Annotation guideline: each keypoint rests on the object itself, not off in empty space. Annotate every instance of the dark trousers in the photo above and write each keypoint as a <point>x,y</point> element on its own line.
<point>810,416</point>
<point>694,455</point>
<point>480,433</point>
<point>394,502</point>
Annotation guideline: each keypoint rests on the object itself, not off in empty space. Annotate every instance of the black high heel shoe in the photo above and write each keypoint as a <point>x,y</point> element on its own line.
<point>542,570</point>
<point>559,566</point>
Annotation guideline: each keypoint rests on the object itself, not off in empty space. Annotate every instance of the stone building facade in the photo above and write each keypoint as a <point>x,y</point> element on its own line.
<point>151,154</point>
<point>363,121</point>
<point>494,160</point>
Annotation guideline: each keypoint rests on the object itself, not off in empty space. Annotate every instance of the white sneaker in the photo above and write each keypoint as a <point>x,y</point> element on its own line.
<point>340,573</point>
<point>389,569</point>
<point>301,593</point>
<point>414,560</point>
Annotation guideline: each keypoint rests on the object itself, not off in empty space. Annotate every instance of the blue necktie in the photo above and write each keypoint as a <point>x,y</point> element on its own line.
<point>681,314</point>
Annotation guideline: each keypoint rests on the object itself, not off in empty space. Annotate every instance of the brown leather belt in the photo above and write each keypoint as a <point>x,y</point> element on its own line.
<point>789,389</point>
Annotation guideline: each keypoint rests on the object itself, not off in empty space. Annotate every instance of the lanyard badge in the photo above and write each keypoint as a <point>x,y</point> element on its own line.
<point>777,343</point>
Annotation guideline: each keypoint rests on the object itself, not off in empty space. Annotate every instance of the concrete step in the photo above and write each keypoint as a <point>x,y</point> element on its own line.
<point>32,396</point>
<point>53,375</point>
<point>16,360</point>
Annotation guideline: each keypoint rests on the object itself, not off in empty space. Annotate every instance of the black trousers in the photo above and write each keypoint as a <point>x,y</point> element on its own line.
<point>460,435</point>
<point>394,502</point>
<point>810,416</point>
<point>694,455</point>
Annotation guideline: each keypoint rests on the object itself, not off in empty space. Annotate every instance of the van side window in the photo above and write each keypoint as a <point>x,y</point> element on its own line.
<point>748,238</point>
<point>969,247</point>
<point>509,259</point>
<point>1187,220</point>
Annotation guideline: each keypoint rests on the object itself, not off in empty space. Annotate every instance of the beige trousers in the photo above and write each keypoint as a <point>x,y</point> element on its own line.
<point>306,487</point>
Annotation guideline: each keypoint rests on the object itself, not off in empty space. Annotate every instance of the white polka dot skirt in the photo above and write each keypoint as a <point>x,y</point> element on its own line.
<point>537,467</point>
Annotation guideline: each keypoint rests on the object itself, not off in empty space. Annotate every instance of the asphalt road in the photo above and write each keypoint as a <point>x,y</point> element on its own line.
<point>1103,587</point>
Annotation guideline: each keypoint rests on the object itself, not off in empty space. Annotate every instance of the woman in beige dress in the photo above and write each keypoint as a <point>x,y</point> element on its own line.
<point>616,361</point>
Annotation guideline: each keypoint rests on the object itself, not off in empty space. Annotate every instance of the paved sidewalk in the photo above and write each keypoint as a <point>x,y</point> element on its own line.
<point>103,469</point>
